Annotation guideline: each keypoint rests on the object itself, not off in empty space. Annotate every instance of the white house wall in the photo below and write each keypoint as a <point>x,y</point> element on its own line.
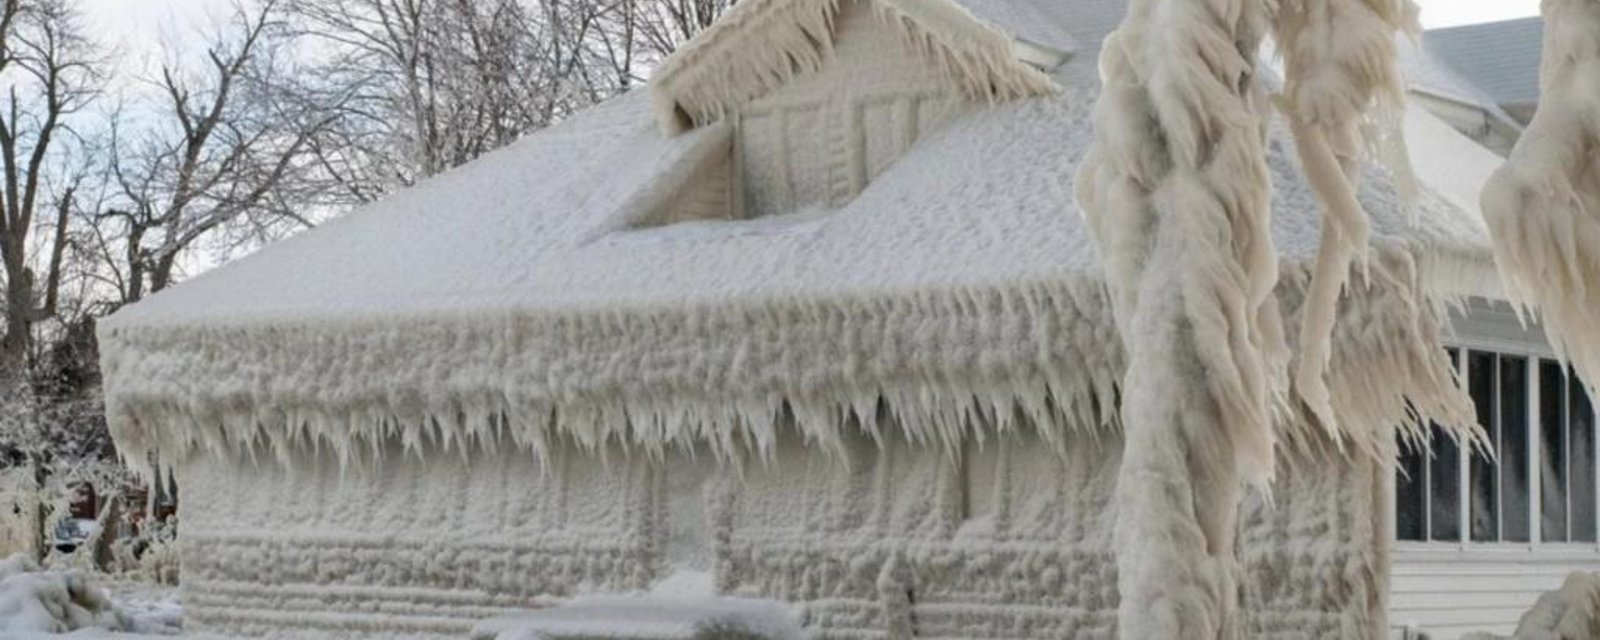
<point>1448,589</point>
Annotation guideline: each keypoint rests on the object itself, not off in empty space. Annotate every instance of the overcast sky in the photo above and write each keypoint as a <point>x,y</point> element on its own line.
<point>139,26</point>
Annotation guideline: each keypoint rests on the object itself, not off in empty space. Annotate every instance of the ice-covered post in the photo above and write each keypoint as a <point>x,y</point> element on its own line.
<point>1543,206</point>
<point>1176,190</point>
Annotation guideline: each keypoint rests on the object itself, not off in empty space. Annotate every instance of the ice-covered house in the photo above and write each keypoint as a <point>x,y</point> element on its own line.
<point>815,316</point>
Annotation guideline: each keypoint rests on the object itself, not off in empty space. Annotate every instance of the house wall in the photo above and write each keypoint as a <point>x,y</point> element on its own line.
<point>1010,537</point>
<point>407,547</point>
<point>1448,589</point>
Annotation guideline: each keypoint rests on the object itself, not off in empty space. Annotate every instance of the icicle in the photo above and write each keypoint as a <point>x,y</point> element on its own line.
<point>1543,206</point>
<point>1342,85</point>
<point>1176,190</point>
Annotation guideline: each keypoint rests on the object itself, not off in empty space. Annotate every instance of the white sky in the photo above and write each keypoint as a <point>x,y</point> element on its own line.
<point>140,25</point>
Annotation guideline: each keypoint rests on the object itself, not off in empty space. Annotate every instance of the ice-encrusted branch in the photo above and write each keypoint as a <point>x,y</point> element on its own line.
<point>1543,206</point>
<point>1176,190</point>
<point>1343,93</point>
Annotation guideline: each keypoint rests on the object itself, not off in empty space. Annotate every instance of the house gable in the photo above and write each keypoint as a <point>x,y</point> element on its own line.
<point>824,122</point>
<point>761,45</point>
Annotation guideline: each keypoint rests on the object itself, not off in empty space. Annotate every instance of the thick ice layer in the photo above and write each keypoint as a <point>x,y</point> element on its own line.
<point>763,44</point>
<point>647,618</point>
<point>1011,537</point>
<point>1543,206</point>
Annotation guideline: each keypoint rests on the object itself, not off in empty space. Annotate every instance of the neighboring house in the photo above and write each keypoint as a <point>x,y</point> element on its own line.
<point>817,316</point>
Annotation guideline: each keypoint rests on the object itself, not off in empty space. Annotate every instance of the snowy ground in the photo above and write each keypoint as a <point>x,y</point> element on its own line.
<point>51,603</point>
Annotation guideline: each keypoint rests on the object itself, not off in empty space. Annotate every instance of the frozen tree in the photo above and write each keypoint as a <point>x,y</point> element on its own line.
<point>223,154</point>
<point>1543,206</point>
<point>49,69</point>
<point>432,84</point>
<point>1176,190</point>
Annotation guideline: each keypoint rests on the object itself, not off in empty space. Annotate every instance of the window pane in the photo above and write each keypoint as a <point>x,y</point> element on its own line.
<point>1410,492</point>
<point>1553,452</point>
<point>1481,481</point>
<point>1514,494</point>
<point>1581,448</point>
<point>1444,503</point>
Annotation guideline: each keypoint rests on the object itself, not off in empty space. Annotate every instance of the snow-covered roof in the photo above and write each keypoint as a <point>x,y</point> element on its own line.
<point>515,297</point>
<point>1499,58</point>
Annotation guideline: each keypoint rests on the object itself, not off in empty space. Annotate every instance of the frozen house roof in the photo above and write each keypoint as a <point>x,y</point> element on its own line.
<point>1500,58</point>
<point>517,297</point>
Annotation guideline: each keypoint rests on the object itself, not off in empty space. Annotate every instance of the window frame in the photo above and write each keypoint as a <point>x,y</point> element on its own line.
<point>1533,355</point>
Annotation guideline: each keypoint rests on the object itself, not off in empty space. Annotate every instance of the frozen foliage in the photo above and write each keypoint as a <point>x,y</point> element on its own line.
<point>1342,88</point>
<point>1177,192</point>
<point>1543,206</point>
<point>647,618</point>
<point>762,44</point>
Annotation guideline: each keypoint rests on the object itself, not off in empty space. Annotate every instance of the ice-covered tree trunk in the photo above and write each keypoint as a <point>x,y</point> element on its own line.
<point>1543,206</point>
<point>1176,190</point>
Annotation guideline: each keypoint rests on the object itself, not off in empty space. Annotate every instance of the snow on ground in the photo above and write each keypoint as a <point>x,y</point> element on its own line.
<point>46,603</point>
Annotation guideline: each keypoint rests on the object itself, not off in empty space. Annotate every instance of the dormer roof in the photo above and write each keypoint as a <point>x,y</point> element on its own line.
<point>761,44</point>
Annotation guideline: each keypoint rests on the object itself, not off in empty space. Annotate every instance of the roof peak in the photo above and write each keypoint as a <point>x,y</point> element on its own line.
<point>761,44</point>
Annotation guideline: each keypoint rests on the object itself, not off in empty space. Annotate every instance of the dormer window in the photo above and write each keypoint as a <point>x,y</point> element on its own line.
<point>821,97</point>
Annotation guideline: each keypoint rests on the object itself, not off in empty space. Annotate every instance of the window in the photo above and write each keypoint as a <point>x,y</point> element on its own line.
<point>1540,483</point>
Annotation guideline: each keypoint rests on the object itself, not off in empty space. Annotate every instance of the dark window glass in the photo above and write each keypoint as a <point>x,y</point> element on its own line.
<point>1513,470</point>
<point>1444,493</point>
<point>1411,492</point>
<point>1553,452</point>
<point>1484,518</point>
<point>1581,449</point>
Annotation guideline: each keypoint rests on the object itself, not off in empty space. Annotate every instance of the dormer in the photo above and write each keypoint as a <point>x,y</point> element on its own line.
<point>821,96</point>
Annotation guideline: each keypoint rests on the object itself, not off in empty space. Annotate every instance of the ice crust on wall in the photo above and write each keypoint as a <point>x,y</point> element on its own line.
<point>1543,206</point>
<point>1011,539</point>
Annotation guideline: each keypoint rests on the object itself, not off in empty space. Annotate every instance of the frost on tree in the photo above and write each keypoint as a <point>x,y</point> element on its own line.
<point>1543,206</point>
<point>824,327</point>
<point>1177,191</point>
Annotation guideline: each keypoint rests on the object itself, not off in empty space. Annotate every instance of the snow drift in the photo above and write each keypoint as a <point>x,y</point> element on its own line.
<point>53,602</point>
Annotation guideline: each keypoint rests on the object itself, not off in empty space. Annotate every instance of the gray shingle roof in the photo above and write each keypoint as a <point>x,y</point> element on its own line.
<point>1501,58</point>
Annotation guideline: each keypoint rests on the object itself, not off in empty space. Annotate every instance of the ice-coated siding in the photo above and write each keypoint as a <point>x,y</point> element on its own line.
<point>1011,538</point>
<point>419,546</point>
<point>1447,593</point>
<point>1014,540</point>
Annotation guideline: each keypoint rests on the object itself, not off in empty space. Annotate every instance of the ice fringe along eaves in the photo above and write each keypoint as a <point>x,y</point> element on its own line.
<point>762,44</point>
<point>1543,206</point>
<point>938,368</point>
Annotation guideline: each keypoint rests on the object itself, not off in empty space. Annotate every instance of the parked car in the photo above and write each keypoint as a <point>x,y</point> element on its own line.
<point>72,533</point>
